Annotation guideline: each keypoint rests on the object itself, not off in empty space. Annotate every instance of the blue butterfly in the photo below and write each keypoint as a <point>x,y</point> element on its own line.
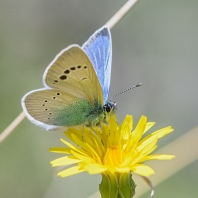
<point>76,86</point>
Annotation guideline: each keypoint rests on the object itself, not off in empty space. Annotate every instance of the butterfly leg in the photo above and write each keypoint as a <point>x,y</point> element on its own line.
<point>84,125</point>
<point>98,134</point>
<point>83,132</point>
<point>105,122</point>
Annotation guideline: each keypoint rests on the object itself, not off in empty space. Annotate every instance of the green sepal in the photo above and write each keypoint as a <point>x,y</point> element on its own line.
<point>126,185</point>
<point>118,185</point>
<point>108,186</point>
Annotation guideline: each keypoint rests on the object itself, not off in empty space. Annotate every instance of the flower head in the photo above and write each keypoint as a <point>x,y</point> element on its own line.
<point>111,148</point>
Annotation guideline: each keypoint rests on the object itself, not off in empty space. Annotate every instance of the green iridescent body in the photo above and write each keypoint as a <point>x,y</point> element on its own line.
<point>80,112</point>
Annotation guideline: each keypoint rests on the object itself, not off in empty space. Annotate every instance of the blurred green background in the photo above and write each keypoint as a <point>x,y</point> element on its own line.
<point>155,44</point>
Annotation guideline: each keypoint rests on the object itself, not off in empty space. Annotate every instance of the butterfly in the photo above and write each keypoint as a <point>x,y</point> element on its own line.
<point>76,86</point>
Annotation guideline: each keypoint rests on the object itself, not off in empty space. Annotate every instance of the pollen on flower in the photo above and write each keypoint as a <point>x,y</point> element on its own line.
<point>111,148</point>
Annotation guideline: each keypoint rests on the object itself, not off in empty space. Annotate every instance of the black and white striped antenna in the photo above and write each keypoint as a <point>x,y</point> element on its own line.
<point>138,85</point>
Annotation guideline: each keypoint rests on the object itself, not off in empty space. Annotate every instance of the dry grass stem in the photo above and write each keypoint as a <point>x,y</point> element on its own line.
<point>121,13</point>
<point>12,126</point>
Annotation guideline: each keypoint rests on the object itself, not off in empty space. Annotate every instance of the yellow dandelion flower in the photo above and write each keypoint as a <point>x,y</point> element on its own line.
<point>112,150</point>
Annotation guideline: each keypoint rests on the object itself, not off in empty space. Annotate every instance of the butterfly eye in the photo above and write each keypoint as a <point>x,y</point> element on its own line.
<point>108,108</point>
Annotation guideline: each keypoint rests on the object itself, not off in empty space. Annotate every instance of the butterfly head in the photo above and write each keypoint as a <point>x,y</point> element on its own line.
<point>109,107</point>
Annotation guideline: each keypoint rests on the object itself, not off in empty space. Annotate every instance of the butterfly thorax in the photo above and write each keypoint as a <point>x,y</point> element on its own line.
<point>100,114</point>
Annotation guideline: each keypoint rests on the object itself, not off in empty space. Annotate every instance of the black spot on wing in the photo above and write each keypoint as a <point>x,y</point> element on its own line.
<point>73,68</point>
<point>63,77</point>
<point>67,71</point>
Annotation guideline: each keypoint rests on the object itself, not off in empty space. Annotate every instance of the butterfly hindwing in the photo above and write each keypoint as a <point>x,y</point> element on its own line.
<point>99,50</point>
<point>58,108</point>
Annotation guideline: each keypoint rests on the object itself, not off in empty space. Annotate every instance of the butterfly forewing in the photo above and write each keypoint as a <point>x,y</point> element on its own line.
<point>99,50</point>
<point>70,71</point>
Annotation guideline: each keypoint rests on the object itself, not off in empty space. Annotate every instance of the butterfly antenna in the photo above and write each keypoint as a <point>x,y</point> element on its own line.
<point>138,85</point>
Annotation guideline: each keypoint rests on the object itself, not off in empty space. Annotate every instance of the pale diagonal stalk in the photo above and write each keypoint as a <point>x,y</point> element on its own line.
<point>111,23</point>
<point>12,126</point>
<point>121,13</point>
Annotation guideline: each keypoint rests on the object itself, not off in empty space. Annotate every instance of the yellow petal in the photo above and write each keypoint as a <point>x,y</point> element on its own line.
<point>122,170</point>
<point>126,127</point>
<point>163,132</point>
<point>79,142</point>
<point>84,158</point>
<point>94,154</point>
<point>147,145</point>
<point>159,133</point>
<point>95,168</point>
<point>112,132</point>
<point>148,126</point>
<point>159,157</point>
<point>139,130</point>
<point>75,148</point>
<point>63,161</point>
<point>142,169</point>
<point>70,171</point>
<point>60,150</point>
<point>77,132</point>
<point>95,140</point>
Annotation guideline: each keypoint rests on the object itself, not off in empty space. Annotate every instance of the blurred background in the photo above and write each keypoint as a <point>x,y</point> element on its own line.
<point>155,44</point>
